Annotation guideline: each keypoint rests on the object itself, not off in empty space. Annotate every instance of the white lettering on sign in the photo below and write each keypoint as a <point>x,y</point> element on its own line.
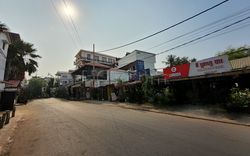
<point>174,74</point>
<point>173,69</point>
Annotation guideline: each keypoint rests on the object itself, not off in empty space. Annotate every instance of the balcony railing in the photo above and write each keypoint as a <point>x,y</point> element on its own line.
<point>97,61</point>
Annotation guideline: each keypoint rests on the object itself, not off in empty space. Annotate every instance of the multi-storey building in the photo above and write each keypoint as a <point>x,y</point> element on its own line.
<point>84,56</point>
<point>138,63</point>
<point>4,44</point>
<point>8,88</point>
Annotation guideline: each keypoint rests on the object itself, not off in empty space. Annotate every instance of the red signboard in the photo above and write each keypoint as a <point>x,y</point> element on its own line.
<point>176,71</point>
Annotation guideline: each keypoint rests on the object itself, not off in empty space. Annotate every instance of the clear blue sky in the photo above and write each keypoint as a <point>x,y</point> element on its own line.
<point>109,23</point>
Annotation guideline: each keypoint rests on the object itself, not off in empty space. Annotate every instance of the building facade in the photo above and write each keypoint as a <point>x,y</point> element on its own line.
<point>84,56</point>
<point>138,63</point>
<point>65,78</point>
<point>4,44</point>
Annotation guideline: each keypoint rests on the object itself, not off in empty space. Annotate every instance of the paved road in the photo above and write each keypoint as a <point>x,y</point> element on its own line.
<point>57,128</point>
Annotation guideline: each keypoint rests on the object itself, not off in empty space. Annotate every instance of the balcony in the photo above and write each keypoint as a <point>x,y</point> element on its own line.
<point>90,59</point>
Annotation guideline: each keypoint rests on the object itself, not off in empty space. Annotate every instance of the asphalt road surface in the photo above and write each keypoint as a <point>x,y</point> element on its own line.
<point>57,128</point>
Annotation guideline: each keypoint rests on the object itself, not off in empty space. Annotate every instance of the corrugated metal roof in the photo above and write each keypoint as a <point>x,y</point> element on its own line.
<point>12,83</point>
<point>240,63</point>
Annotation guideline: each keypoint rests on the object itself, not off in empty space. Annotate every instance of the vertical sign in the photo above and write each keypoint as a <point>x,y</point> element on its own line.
<point>139,67</point>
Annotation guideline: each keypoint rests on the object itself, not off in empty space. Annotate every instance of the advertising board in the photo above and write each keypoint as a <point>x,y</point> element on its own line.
<point>179,71</point>
<point>211,65</point>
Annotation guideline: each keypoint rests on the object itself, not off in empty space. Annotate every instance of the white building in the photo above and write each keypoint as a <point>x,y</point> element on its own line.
<point>84,56</point>
<point>65,78</point>
<point>129,62</point>
<point>113,76</point>
<point>4,44</point>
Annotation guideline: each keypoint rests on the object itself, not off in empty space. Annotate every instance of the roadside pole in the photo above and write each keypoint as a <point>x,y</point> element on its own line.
<point>93,65</point>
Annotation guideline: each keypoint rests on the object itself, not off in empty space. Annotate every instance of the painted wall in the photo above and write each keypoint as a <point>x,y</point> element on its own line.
<point>118,74</point>
<point>148,58</point>
<point>3,55</point>
<point>65,78</point>
<point>114,75</point>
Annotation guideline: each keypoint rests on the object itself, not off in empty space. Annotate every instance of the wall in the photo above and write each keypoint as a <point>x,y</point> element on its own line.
<point>127,60</point>
<point>148,58</point>
<point>65,79</point>
<point>3,37</point>
<point>118,74</point>
<point>84,54</point>
<point>149,61</point>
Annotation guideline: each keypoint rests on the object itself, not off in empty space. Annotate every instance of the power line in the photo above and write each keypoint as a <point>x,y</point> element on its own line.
<point>73,23</point>
<point>64,24</point>
<point>185,20</point>
<point>213,24</point>
<point>223,33</point>
<point>201,37</point>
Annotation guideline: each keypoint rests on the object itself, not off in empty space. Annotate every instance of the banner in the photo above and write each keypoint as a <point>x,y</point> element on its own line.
<point>179,71</point>
<point>139,69</point>
<point>210,66</point>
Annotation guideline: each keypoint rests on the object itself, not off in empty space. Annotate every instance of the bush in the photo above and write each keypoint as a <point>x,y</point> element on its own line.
<point>23,96</point>
<point>62,92</point>
<point>239,100</point>
<point>164,97</point>
<point>134,94</point>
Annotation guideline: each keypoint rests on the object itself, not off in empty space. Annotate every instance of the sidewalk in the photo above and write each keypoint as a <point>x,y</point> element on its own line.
<point>193,112</point>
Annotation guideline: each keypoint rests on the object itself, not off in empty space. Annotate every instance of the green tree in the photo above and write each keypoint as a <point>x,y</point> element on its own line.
<point>173,60</point>
<point>50,86</point>
<point>236,53</point>
<point>35,87</point>
<point>3,27</point>
<point>148,88</point>
<point>21,58</point>
<point>62,92</point>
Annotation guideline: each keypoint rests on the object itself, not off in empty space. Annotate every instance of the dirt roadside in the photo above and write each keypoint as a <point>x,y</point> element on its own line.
<point>7,133</point>
<point>193,112</point>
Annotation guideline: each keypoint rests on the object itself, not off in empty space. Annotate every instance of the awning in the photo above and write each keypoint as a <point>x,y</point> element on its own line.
<point>12,83</point>
<point>96,65</point>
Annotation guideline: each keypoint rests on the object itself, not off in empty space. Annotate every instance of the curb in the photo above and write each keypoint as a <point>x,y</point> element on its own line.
<point>187,116</point>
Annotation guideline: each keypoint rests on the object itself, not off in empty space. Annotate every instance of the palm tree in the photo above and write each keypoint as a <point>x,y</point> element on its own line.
<point>170,60</point>
<point>20,59</point>
<point>3,27</point>
<point>173,60</point>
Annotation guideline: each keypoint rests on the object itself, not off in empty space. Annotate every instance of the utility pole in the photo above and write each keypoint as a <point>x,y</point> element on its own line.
<point>93,65</point>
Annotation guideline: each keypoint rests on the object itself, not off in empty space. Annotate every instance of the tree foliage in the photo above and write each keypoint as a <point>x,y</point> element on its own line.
<point>35,87</point>
<point>21,58</point>
<point>148,89</point>
<point>173,60</point>
<point>3,27</point>
<point>62,92</point>
<point>236,53</point>
<point>50,86</point>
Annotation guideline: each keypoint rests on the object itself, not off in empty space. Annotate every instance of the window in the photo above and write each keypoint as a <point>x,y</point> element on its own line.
<point>104,59</point>
<point>4,45</point>
<point>88,57</point>
<point>96,58</point>
<point>109,60</point>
